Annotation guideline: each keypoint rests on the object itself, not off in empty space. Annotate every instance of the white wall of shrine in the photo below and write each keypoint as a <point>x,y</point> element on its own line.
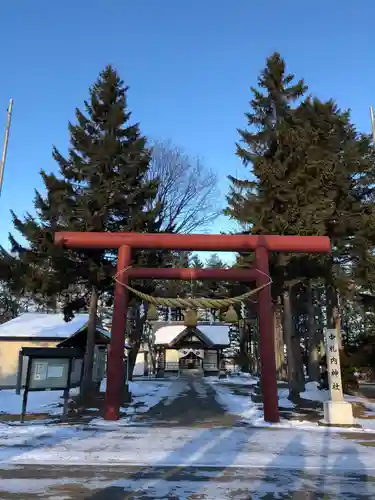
<point>172,356</point>
<point>209,357</point>
<point>139,367</point>
<point>210,361</point>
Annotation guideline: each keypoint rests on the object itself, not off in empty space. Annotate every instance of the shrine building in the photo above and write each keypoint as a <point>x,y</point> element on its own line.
<point>178,348</point>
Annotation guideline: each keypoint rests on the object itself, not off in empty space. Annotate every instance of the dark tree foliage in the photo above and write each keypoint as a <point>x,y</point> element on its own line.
<point>274,200</point>
<point>102,185</point>
<point>196,262</point>
<point>216,289</point>
<point>253,201</point>
<point>9,305</point>
<point>311,173</point>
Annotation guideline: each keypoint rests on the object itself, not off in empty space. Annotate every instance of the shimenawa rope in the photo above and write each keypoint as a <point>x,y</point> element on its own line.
<point>192,303</point>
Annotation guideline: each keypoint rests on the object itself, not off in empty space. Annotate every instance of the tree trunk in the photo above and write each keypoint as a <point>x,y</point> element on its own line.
<point>288,337</point>
<point>296,340</point>
<point>312,336</point>
<point>152,350</point>
<point>243,354</point>
<point>331,295</point>
<point>279,343</point>
<point>298,360</point>
<point>256,357</point>
<point>87,385</point>
<point>135,337</point>
<point>320,323</point>
<point>152,353</point>
<point>135,345</point>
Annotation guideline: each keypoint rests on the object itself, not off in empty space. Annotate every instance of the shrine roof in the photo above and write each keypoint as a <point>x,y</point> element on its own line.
<point>45,325</point>
<point>218,335</point>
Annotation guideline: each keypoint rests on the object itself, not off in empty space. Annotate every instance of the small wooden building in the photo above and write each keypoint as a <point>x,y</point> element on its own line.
<point>40,330</point>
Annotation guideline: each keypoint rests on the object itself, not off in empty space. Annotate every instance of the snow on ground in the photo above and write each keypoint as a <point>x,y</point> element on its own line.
<point>252,413</point>
<point>284,402</point>
<point>146,393</point>
<point>149,393</point>
<point>244,447</point>
<point>241,484</point>
<point>284,484</point>
<point>369,405</point>
<point>313,393</point>
<point>38,402</point>
<point>44,486</point>
<point>121,443</point>
<point>239,405</point>
<point>235,379</point>
<point>275,447</point>
<point>367,423</point>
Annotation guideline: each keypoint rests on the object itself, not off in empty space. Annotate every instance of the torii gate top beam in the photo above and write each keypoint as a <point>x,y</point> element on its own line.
<point>197,242</point>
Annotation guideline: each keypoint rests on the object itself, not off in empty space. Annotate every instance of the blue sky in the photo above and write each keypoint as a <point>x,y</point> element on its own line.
<point>189,66</point>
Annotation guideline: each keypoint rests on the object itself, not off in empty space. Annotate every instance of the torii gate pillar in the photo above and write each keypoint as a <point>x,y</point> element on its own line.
<point>268,374</point>
<point>116,350</point>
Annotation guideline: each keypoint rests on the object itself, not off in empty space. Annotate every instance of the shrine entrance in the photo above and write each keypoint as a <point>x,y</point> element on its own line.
<point>240,243</point>
<point>191,362</point>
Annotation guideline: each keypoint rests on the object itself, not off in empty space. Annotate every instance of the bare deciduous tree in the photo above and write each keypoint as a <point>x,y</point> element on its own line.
<point>187,199</point>
<point>188,194</point>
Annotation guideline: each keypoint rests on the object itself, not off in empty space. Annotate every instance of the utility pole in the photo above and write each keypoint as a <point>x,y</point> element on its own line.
<point>372,122</point>
<point>5,145</point>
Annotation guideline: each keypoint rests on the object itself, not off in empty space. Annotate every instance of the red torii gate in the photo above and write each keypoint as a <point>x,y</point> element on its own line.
<point>261,245</point>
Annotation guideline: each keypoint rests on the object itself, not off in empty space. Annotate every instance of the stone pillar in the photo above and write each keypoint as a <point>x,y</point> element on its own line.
<point>337,411</point>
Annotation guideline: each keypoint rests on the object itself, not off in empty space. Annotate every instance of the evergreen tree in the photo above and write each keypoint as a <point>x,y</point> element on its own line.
<point>313,174</point>
<point>102,186</point>
<point>254,201</point>
<point>270,203</point>
<point>348,160</point>
<point>217,289</point>
<point>285,196</point>
<point>9,305</point>
<point>345,165</point>
<point>195,262</point>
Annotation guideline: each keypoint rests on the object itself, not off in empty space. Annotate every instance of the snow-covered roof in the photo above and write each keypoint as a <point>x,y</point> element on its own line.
<point>217,334</point>
<point>41,325</point>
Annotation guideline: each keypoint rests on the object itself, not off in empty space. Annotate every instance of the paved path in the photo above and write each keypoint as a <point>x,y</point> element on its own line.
<point>192,483</point>
<point>274,465</point>
<point>195,407</point>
